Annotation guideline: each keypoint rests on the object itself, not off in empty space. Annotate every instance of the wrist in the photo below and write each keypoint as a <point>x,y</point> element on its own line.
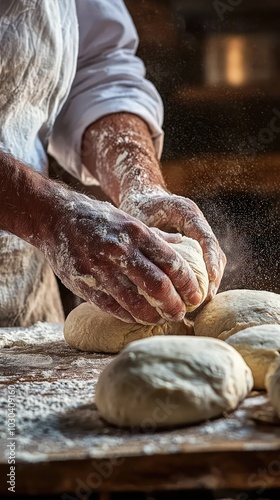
<point>140,204</point>
<point>28,209</point>
<point>137,194</point>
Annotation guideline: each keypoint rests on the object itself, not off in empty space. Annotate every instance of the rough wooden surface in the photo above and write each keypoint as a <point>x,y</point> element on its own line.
<point>62,445</point>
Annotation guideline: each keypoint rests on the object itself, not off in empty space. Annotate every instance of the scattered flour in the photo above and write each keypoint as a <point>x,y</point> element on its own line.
<point>40,333</point>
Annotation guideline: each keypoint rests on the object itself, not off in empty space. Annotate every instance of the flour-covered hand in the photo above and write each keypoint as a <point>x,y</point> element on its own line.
<point>171,212</point>
<point>115,261</point>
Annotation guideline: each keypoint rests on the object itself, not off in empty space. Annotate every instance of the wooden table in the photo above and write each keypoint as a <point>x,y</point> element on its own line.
<point>63,446</point>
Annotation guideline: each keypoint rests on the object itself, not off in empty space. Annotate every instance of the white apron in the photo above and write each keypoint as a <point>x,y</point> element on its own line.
<point>38,55</point>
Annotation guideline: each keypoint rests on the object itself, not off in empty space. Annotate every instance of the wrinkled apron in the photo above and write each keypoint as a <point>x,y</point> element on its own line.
<point>38,54</point>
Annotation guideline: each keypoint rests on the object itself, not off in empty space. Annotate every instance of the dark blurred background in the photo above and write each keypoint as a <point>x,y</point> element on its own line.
<point>216,65</point>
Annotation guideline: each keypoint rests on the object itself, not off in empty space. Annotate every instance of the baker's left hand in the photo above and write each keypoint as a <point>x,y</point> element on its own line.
<point>170,212</point>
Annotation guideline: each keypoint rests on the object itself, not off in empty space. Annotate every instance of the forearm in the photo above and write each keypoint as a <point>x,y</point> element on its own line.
<point>119,152</point>
<point>83,240</point>
<point>27,200</point>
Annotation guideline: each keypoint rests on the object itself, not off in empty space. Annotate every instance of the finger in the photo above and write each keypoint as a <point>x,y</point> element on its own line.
<point>105,302</point>
<point>127,295</point>
<point>157,287</point>
<point>214,258</point>
<point>124,301</point>
<point>212,290</point>
<point>214,285</point>
<point>168,294</point>
<point>176,268</point>
<point>168,237</point>
<point>199,229</point>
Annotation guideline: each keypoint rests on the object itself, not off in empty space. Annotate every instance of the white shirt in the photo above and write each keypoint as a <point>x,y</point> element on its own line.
<point>65,64</point>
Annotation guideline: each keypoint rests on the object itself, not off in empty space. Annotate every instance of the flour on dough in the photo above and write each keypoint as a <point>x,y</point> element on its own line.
<point>169,381</point>
<point>259,346</point>
<point>191,251</point>
<point>232,311</point>
<point>87,328</point>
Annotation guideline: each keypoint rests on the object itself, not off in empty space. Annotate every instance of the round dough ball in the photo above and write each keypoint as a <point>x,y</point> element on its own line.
<point>87,328</point>
<point>168,381</point>
<point>259,346</point>
<point>234,310</point>
<point>272,383</point>
<point>191,251</point>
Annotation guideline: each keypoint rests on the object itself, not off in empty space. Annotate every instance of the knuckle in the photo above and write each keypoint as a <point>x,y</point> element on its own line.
<point>161,287</point>
<point>134,227</point>
<point>118,248</point>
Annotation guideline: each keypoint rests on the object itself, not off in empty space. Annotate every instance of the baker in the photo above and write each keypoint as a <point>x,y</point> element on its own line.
<point>71,84</point>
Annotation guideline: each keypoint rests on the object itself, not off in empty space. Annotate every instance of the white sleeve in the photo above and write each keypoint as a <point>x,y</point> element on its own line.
<point>109,79</point>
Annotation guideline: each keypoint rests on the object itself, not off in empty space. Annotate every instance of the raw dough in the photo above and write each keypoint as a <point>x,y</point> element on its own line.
<point>272,383</point>
<point>259,346</point>
<point>89,329</point>
<point>168,381</point>
<point>192,252</point>
<point>232,311</point>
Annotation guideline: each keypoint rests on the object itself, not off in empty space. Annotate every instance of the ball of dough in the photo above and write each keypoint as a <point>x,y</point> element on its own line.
<point>191,251</point>
<point>234,310</point>
<point>87,328</point>
<point>169,381</point>
<point>259,346</point>
<point>272,383</point>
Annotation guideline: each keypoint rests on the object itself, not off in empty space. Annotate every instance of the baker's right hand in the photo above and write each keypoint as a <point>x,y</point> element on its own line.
<point>111,259</point>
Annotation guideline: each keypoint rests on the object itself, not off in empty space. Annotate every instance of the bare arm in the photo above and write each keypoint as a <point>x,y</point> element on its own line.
<point>119,152</point>
<point>98,251</point>
<point>25,199</point>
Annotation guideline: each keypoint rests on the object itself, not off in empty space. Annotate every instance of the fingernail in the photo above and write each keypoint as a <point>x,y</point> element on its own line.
<point>195,298</point>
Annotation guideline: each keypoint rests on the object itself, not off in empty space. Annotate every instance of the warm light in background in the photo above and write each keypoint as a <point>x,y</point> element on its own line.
<point>235,60</point>
<point>235,67</point>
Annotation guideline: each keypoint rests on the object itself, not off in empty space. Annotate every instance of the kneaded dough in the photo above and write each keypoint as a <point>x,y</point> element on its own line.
<point>259,346</point>
<point>191,251</point>
<point>234,310</point>
<point>272,383</point>
<point>168,381</point>
<point>87,328</point>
